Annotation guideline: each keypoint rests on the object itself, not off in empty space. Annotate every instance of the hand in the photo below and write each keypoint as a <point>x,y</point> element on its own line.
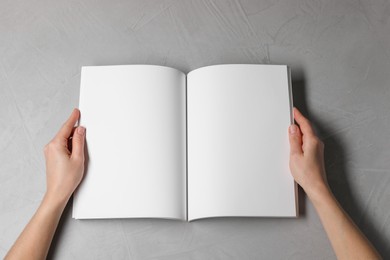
<point>307,168</point>
<point>306,156</point>
<point>64,171</point>
<point>64,164</point>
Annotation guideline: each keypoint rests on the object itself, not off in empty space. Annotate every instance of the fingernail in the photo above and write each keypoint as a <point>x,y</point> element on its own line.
<point>293,129</point>
<point>81,130</point>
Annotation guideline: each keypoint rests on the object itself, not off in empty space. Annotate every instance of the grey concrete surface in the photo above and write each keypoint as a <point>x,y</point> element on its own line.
<point>339,51</point>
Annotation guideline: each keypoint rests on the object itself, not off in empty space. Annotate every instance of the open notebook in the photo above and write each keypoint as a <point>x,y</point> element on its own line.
<point>163,144</point>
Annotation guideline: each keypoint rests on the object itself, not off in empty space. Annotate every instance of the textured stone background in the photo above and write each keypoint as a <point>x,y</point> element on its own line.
<point>339,51</point>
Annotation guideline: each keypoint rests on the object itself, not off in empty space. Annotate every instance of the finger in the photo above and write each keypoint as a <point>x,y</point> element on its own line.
<point>295,138</point>
<point>69,141</point>
<point>304,123</point>
<point>78,141</point>
<point>66,130</point>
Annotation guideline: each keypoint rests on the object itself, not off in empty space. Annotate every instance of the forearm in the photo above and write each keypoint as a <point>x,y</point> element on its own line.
<point>346,239</point>
<point>35,240</point>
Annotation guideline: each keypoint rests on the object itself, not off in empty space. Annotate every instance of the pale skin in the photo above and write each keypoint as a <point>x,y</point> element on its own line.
<point>65,169</point>
<point>307,168</point>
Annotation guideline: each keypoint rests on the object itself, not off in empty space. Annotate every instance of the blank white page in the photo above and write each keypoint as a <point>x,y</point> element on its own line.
<point>238,150</point>
<point>136,139</point>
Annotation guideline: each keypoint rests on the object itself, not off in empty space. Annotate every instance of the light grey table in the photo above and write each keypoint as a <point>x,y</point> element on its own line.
<point>339,51</point>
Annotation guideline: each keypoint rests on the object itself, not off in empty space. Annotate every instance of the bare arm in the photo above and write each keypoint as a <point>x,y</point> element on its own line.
<point>307,168</point>
<point>64,171</point>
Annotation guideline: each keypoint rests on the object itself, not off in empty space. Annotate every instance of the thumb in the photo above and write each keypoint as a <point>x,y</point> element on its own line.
<point>78,141</point>
<point>295,138</point>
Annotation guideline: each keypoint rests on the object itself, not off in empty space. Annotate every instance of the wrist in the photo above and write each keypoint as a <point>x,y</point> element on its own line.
<point>318,193</point>
<point>54,201</point>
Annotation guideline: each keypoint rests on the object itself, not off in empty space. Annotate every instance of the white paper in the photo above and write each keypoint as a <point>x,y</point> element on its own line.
<point>238,150</point>
<point>135,120</point>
